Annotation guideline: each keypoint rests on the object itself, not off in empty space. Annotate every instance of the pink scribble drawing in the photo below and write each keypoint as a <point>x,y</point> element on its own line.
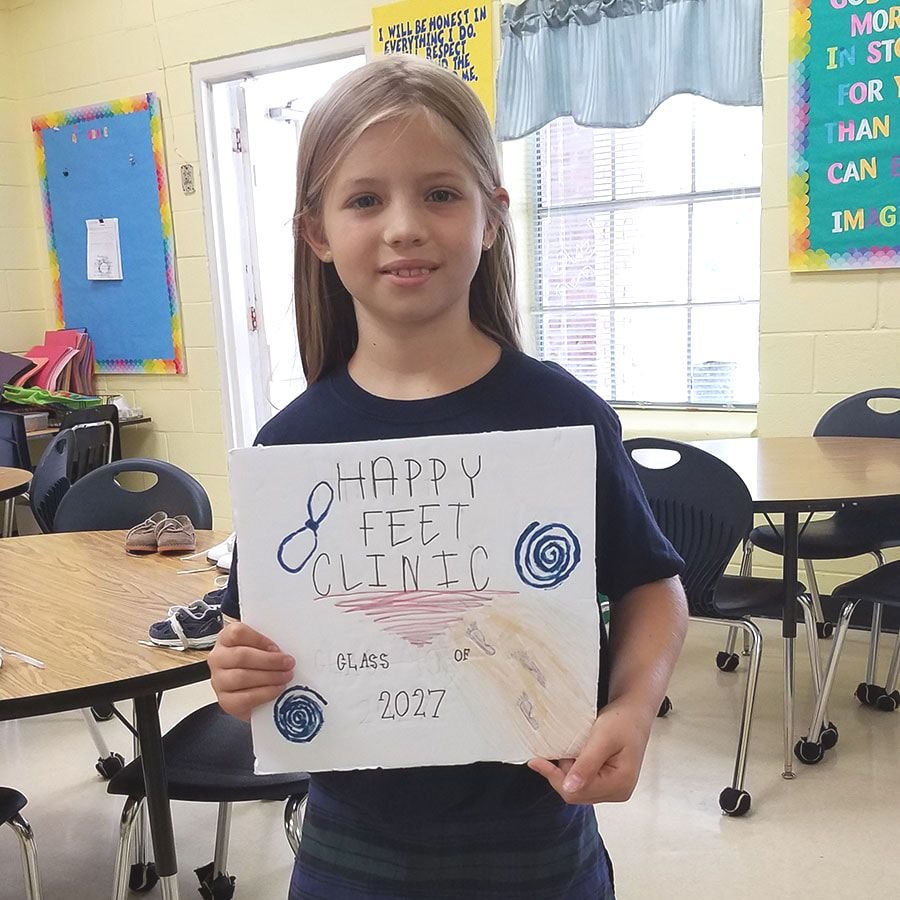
<point>417,617</point>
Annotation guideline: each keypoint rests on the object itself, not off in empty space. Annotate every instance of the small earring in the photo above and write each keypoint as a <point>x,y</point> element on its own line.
<point>327,256</point>
<point>486,245</point>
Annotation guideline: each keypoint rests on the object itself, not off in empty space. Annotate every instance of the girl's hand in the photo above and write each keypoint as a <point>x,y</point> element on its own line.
<point>607,768</point>
<point>247,669</point>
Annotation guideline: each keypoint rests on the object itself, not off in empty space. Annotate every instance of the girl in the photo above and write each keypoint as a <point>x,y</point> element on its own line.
<point>406,320</point>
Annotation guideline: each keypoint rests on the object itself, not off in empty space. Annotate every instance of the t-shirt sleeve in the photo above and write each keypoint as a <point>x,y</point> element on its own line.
<point>631,550</point>
<point>231,602</point>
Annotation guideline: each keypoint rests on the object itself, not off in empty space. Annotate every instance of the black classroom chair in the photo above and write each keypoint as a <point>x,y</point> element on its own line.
<point>881,586</point>
<point>11,805</point>
<point>14,451</point>
<point>705,510</point>
<point>855,531</point>
<point>209,754</point>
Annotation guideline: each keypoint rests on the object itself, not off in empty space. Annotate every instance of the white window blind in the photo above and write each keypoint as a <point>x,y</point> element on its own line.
<point>646,247</point>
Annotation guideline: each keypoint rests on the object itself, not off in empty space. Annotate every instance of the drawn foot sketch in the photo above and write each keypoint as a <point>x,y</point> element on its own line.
<point>475,634</point>
<point>523,657</point>
<point>525,705</point>
<point>307,536</point>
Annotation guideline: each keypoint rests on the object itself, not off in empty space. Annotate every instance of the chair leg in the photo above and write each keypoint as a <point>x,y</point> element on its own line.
<point>223,835</point>
<point>108,763</point>
<point>823,629</point>
<point>734,800</point>
<point>126,830</point>
<point>810,749</point>
<point>891,699</point>
<point>294,811</point>
<point>22,828</point>
<point>726,660</point>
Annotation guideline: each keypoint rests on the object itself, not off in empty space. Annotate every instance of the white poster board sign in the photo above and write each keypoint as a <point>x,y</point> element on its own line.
<point>437,593</point>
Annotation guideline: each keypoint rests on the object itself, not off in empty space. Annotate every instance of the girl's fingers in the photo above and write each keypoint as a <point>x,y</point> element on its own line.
<point>242,703</point>
<point>235,680</point>
<point>238,634</point>
<point>249,658</point>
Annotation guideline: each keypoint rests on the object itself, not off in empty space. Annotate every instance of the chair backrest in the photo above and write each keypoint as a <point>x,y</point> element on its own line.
<point>853,417</point>
<point>51,479</point>
<point>13,442</point>
<point>98,502</point>
<point>93,447</point>
<point>106,413</point>
<point>701,505</point>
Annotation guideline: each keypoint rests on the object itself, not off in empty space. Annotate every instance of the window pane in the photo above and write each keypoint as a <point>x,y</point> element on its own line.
<point>651,254</point>
<point>655,159</point>
<point>574,265</point>
<point>726,250</point>
<point>579,341</point>
<point>651,355</point>
<point>728,146</point>
<point>575,163</point>
<point>724,362</point>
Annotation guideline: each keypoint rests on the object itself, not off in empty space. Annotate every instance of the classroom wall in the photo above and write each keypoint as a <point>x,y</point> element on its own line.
<point>822,335</point>
<point>56,54</point>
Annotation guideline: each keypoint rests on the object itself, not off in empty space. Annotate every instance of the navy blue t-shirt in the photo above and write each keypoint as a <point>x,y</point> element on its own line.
<point>519,393</point>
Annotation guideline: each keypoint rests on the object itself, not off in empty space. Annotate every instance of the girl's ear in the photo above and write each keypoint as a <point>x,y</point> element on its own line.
<point>500,198</point>
<point>314,235</point>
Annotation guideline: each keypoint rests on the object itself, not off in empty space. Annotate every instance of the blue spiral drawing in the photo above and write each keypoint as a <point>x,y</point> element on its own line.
<point>318,505</point>
<point>546,555</point>
<point>298,712</point>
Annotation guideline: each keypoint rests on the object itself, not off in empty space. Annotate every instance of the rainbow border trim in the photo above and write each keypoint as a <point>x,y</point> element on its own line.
<point>121,107</point>
<point>801,256</point>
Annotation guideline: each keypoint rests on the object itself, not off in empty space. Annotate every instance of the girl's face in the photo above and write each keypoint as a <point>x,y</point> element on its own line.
<point>405,223</point>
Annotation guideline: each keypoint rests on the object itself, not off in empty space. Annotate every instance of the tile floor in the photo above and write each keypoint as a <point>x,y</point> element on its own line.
<point>833,832</point>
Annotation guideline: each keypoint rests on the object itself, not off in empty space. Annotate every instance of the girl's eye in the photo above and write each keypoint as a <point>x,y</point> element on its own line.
<point>366,201</point>
<point>441,195</point>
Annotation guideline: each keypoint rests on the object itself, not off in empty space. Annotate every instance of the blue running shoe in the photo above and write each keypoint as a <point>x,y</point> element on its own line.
<point>192,627</point>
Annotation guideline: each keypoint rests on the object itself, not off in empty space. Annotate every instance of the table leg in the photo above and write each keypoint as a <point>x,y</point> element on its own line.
<point>789,632</point>
<point>147,715</point>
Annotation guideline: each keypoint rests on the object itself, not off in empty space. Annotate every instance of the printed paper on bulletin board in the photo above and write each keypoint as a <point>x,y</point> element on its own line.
<point>437,593</point>
<point>106,162</point>
<point>459,36</point>
<point>844,152</point>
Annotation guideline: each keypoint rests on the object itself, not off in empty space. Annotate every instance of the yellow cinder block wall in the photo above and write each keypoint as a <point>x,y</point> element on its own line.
<point>822,336</point>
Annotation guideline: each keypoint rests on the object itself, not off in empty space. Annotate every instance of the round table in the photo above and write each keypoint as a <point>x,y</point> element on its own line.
<point>13,482</point>
<point>79,604</point>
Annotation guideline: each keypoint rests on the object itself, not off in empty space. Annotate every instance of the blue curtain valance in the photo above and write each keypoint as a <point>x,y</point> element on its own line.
<point>610,63</point>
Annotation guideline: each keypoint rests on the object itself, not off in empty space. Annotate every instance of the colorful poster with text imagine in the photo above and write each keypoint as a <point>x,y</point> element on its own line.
<point>844,152</point>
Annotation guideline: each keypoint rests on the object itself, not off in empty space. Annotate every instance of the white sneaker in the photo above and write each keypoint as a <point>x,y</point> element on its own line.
<point>214,554</point>
<point>223,563</point>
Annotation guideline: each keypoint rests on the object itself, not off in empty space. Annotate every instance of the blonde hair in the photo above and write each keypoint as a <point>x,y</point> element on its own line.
<point>390,88</point>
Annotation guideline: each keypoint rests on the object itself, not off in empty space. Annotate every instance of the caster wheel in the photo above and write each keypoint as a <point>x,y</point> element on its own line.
<point>103,712</point>
<point>869,694</point>
<point>889,702</point>
<point>664,708</point>
<point>809,752</point>
<point>727,662</point>
<point>824,629</point>
<point>828,736</point>
<point>111,765</point>
<point>143,878</point>
<point>734,803</point>
<point>219,888</point>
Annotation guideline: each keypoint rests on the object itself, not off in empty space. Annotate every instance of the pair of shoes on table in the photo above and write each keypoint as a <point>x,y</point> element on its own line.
<point>193,627</point>
<point>222,554</point>
<point>163,533</point>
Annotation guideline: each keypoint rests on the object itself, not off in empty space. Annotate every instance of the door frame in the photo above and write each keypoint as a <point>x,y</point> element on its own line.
<point>231,351</point>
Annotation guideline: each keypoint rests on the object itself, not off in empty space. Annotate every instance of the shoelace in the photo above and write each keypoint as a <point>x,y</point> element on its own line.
<point>196,616</point>
<point>23,657</point>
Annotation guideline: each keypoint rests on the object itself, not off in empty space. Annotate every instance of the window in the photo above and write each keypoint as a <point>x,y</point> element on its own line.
<point>646,254</point>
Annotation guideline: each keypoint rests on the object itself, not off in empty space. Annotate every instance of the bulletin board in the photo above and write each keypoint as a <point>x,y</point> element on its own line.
<point>844,146</point>
<point>106,162</point>
<point>457,35</point>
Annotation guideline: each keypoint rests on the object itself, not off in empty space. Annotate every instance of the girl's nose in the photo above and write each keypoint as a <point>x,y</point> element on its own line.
<point>404,225</point>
